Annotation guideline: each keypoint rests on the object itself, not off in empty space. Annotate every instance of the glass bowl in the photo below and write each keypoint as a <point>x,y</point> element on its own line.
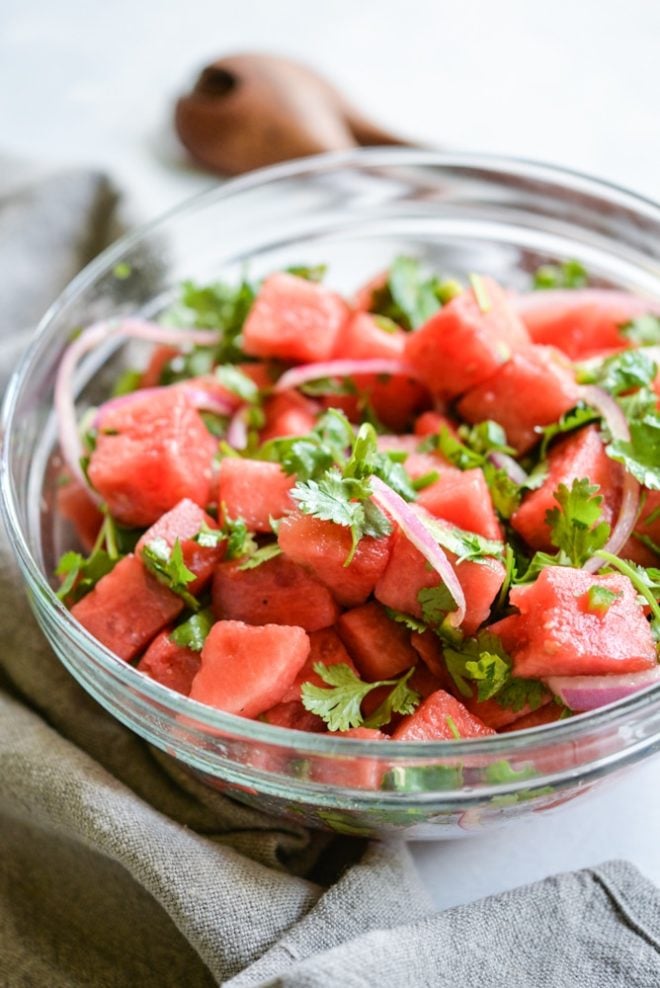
<point>459,213</point>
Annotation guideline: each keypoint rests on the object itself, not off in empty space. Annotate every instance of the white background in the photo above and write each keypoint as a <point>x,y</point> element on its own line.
<point>575,82</point>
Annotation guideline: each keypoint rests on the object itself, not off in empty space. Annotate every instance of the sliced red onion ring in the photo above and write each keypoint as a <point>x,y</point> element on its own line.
<point>206,401</point>
<point>618,427</point>
<point>589,692</point>
<point>340,368</point>
<point>237,433</point>
<point>90,338</point>
<point>411,524</point>
<point>512,469</point>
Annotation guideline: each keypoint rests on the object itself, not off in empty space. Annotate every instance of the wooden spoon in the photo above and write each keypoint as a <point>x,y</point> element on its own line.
<point>246,111</point>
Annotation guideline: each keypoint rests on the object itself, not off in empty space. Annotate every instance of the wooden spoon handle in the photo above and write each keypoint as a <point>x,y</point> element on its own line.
<point>247,111</point>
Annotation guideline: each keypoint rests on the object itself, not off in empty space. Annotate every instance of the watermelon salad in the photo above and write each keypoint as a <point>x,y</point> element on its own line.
<point>429,511</point>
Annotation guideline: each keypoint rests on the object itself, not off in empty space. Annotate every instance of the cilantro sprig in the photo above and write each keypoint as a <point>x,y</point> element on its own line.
<point>192,633</point>
<point>643,330</point>
<point>481,663</point>
<point>409,297</point>
<point>79,573</point>
<point>168,566</point>
<point>641,454</point>
<point>576,525</point>
<point>340,704</point>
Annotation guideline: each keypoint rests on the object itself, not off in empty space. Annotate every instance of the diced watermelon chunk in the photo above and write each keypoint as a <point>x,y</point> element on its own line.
<point>127,608</point>
<point>246,670</point>
<point>429,423</point>
<point>151,452</point>
<point>172,665</point>
<point>562,636</point>
<point>288,414</point>
<point>547,714</point>
<point>440,716</point>
<point>183,522</point>
<point>254,490</point>
<point>356,772</point>
<point>463,498</point>
<point>428,647</point>
<point>380,647</point>
<point>361,338</point>
<point>327,647</point>
<point>496,716</point>
<point>75,504</point>
<point>294,319</point>
<point>533,389</point>
<point>292,715</point>
<point>323,548</point>
<point>581,323</point>
<point>277,592</point>
<point>462,345</point>
<point>408,572</point>
<point>581,454</point>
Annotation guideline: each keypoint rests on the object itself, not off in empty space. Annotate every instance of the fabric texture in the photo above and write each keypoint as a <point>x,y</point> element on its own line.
<point>118,868</point>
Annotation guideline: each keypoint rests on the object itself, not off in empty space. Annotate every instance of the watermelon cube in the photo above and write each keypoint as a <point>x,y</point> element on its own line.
<point>277,592</point>
<point>547,714</point>
<point>254,490</point>
<point>356,772</point>
<point>580,454</point>
<point>288,414</point>
<point>292,715</point>
<point>294,319</point>
<point>172,665</point>
<point>183,522</point>
<point>379,647</point>
<point>396,400</point>
<point>463,498</point>
<point>465,343</point>
<point>152,450</point>
<point>323,548</point>
<point>563,636</point>
<point>430,423</point>
<point>533,389</point>
<point>581,323</point>
<point>325,646</point>
<point>496,716</point>
<point>408,572</point>
<point>362,338</point>
<point>246,670</point>
<point>440,716</point>
<point>428,647</point>
<point>127,608</point>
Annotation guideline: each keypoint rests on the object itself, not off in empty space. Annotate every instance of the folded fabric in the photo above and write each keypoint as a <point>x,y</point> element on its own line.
<point>120,868</point>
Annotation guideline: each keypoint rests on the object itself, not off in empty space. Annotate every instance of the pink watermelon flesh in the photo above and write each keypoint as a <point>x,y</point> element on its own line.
<point>462,345</point>
<point>408,572</point>
<point>151,452</point>
<point>379,647</point>
<point>323,548</point>
<point>581,454</point>
<point>561,636</point>
<point>183,522</point>
<point>288,414</point>
<point>292,715</point>
<point>325,646</point>
<point>361,338</point>
<point>172,665</point>
<point>127,608</point>
<point>533,389</point>
<point>255,491</point>
<point>294,319</point>
<point>277,592</point>
<point>463,498</point>
<point>440,716</point>
<point>246,670</point>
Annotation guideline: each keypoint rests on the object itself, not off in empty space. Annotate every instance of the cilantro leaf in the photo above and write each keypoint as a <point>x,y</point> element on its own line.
<point>451,724</point>
<point>518,693</point>
<point>81,575</point>
<point>573,419</point>
<point>314,272</point>
<point>127,382</point>
<point>412,623</point>
<point>645,580</point>
<point>504,771</point>
<point>192,633</point>
<point>485,437</point>
<point>464,545</point>
<point>576,528</point>
<point>625,371</point>
<point>216,306</point>
<point>643,330</point>
<point>169,568</point>
<point>436,603</point>
<point>336,499</point>
<point>567,274</point>
<point>340,705</point>
<point>641,455</point>
<point>260,556</point>
<point>490,672</point>
<point>409,298</point>
<point>366,460</point>
<point>237,383</point>
<point>481,659</point>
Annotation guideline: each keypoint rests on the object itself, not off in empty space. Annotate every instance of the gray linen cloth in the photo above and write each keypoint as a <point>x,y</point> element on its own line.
<point>118,869</point>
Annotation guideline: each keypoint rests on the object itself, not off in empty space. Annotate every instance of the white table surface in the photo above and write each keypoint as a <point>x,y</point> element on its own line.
<point>574,82</point>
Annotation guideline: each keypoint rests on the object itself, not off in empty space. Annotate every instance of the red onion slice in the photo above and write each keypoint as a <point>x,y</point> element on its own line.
<point>618,427</point>
<point>206,401</point>
<point>237,433</point>
<point>581,693</point>
<point>340,368</point>
<point>512,469</point>
<point>90,338</point>
<point>411,524</point>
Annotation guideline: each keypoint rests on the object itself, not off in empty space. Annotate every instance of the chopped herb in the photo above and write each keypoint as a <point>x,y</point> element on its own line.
<point>169,568</point>
<point>465,545</point>
<point>215,306</point>
<point>409,298</point>
<point>480,660</point>
<point>576,526</point>
<point>519,693</point>
<point>567,274</point>
<point>600,599</point>
<point>645,580</point>
<point>340,704</point>
<point>643,331</point>
<point>260,556</point>
<point>641,455</point>
<point>436,603</point>
<point>626,371</point>
<point>316,272</point>
<point>421,483</point>
<point>81,575</point>
<point>574,419</point>
<point>451,724</point>
<point>481,295</point>
<point>237,383</point>
<point>412,623</point>
<point>192,633</point>
<point>127,382</point>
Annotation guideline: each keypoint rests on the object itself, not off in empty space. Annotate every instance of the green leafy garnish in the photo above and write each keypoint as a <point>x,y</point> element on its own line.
<point>643,330</point>
<point>576,526</point>
<point>169,568</point>
<point>645,580</point>
<point>340,704</point>
<point>625,371</point>
<point>453,729</point>
<point>481,660</point>
<point>436,603</point>
<point>600,598</point>
<point>82,574</point>
<point>127,382</point>
<point>567,274</point>
<point>412,623</point>
<point>192,633</point>
<point>571,420</point>
<point>409,297</point>
<point>641,455</point>
<point>481,295</point>
<point>237,383</point>
<point>315,272</point>
<point>465,545</point>
<point>518,693</point>
<point>261,555</point>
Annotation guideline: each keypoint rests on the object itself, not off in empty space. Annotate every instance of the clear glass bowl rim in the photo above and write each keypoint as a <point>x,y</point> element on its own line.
<point>240,728</point>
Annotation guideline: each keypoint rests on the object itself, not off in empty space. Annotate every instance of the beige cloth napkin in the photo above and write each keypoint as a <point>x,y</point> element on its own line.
<point>117,868</point>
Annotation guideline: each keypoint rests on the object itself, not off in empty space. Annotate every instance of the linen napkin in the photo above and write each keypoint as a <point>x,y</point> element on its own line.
<point>118,868</point>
